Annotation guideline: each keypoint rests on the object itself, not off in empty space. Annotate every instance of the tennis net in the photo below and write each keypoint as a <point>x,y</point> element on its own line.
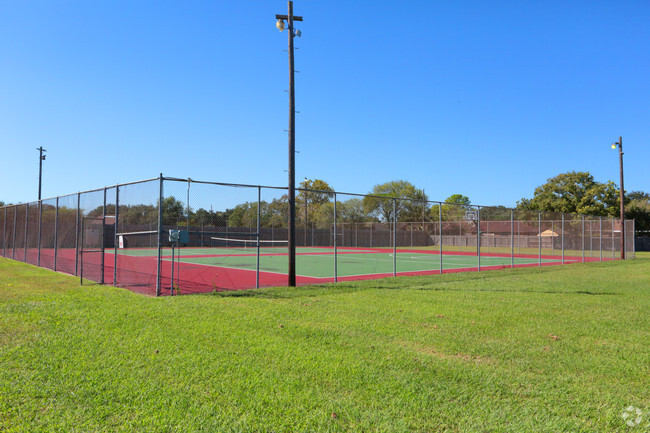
<point>236,243</point>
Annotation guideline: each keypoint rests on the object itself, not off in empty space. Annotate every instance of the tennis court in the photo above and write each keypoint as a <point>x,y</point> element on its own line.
<point>197,269</point>
<point>207,235</point>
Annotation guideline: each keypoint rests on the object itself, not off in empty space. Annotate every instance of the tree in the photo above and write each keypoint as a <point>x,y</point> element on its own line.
<point>453,209</point>
<point>637,195</point>
<point>243,215</point>
<point>279,212</point>
<point>352,211</point>
<point>639,209</point>
<point>458,199</point>
<point>309,202</point>
<point>173,211</point>
<point>203,217</point>
<point>574,192</point>
<point>407,210</point>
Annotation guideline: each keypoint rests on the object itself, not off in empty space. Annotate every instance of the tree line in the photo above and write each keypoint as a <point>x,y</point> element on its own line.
<point>571,192</point>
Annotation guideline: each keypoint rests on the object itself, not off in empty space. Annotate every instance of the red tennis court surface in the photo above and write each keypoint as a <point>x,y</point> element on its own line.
<point>201,273</point>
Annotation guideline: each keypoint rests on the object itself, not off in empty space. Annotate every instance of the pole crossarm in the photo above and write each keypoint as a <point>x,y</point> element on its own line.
<point>286,17</point>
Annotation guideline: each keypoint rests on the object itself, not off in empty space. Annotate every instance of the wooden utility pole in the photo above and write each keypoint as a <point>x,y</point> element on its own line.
<point>290,18</point>
<point>40,169</point>
<point>620,159</point>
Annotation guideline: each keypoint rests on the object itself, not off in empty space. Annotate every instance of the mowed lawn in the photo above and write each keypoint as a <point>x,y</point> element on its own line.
<point>557,349</point>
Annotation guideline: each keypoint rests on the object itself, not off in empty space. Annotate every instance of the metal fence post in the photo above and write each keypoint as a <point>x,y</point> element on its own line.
<point>394,237</point>
<point>552,236</point>
<point>115,235</point>
<point>4,235</point>
<point>478,236</point>
<point>259,215</point>
<point>40,223</point>
<point>336,261</point>
<point>512,238</point>
<point>26,231</point>
<point>600,237</point>
<point>160,225</point>
<point>562,237</point>
<point>13,237</point>
<point>103,259</point>
<point>539,236</point>
<point>583,239</point>
<point>56,232</point>
<point>613,242</point>
<point>189,182</point>
<point>634,239</point>
<point>76,235</point>
<point>440,232</point>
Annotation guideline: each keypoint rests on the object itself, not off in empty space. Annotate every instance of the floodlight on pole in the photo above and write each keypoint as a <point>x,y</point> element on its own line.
<point>292,144</point>
<point>619,144</point>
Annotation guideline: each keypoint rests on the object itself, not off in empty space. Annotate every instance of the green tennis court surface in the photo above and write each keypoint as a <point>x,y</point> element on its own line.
<point>319,262</point>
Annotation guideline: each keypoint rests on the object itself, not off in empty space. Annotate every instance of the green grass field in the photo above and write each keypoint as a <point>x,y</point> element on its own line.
<point>553,349</point>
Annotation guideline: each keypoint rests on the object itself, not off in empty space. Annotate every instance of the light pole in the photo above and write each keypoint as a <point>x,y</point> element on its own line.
<point>41,158</point>
<point>292,141</point>
<point>619,144</point>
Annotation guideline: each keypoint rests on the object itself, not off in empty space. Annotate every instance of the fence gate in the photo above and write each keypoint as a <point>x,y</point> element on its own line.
<point>91,251</point>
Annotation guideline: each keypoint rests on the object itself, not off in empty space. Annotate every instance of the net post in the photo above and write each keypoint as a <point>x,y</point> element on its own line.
<point>103,258</point>
<point>259,234</point>
<point>76,235</point>
<point>40,223</point>
<point>336,279</point>
<point>115,236</point>
<point>394,237</point>
<point>562,237</point>
<point>160,224</point>
<point>26,230</point>
<point>56,232</point>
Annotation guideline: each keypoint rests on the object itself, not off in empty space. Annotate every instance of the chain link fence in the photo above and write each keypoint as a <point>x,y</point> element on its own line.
<point>167,236</point>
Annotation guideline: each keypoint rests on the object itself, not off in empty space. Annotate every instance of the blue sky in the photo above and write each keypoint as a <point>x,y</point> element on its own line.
<point>486,99</point>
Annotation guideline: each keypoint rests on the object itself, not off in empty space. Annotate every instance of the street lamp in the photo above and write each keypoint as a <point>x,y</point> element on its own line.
<point>290,18</point>
<point>41,158</point>
<point>619,144</point>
